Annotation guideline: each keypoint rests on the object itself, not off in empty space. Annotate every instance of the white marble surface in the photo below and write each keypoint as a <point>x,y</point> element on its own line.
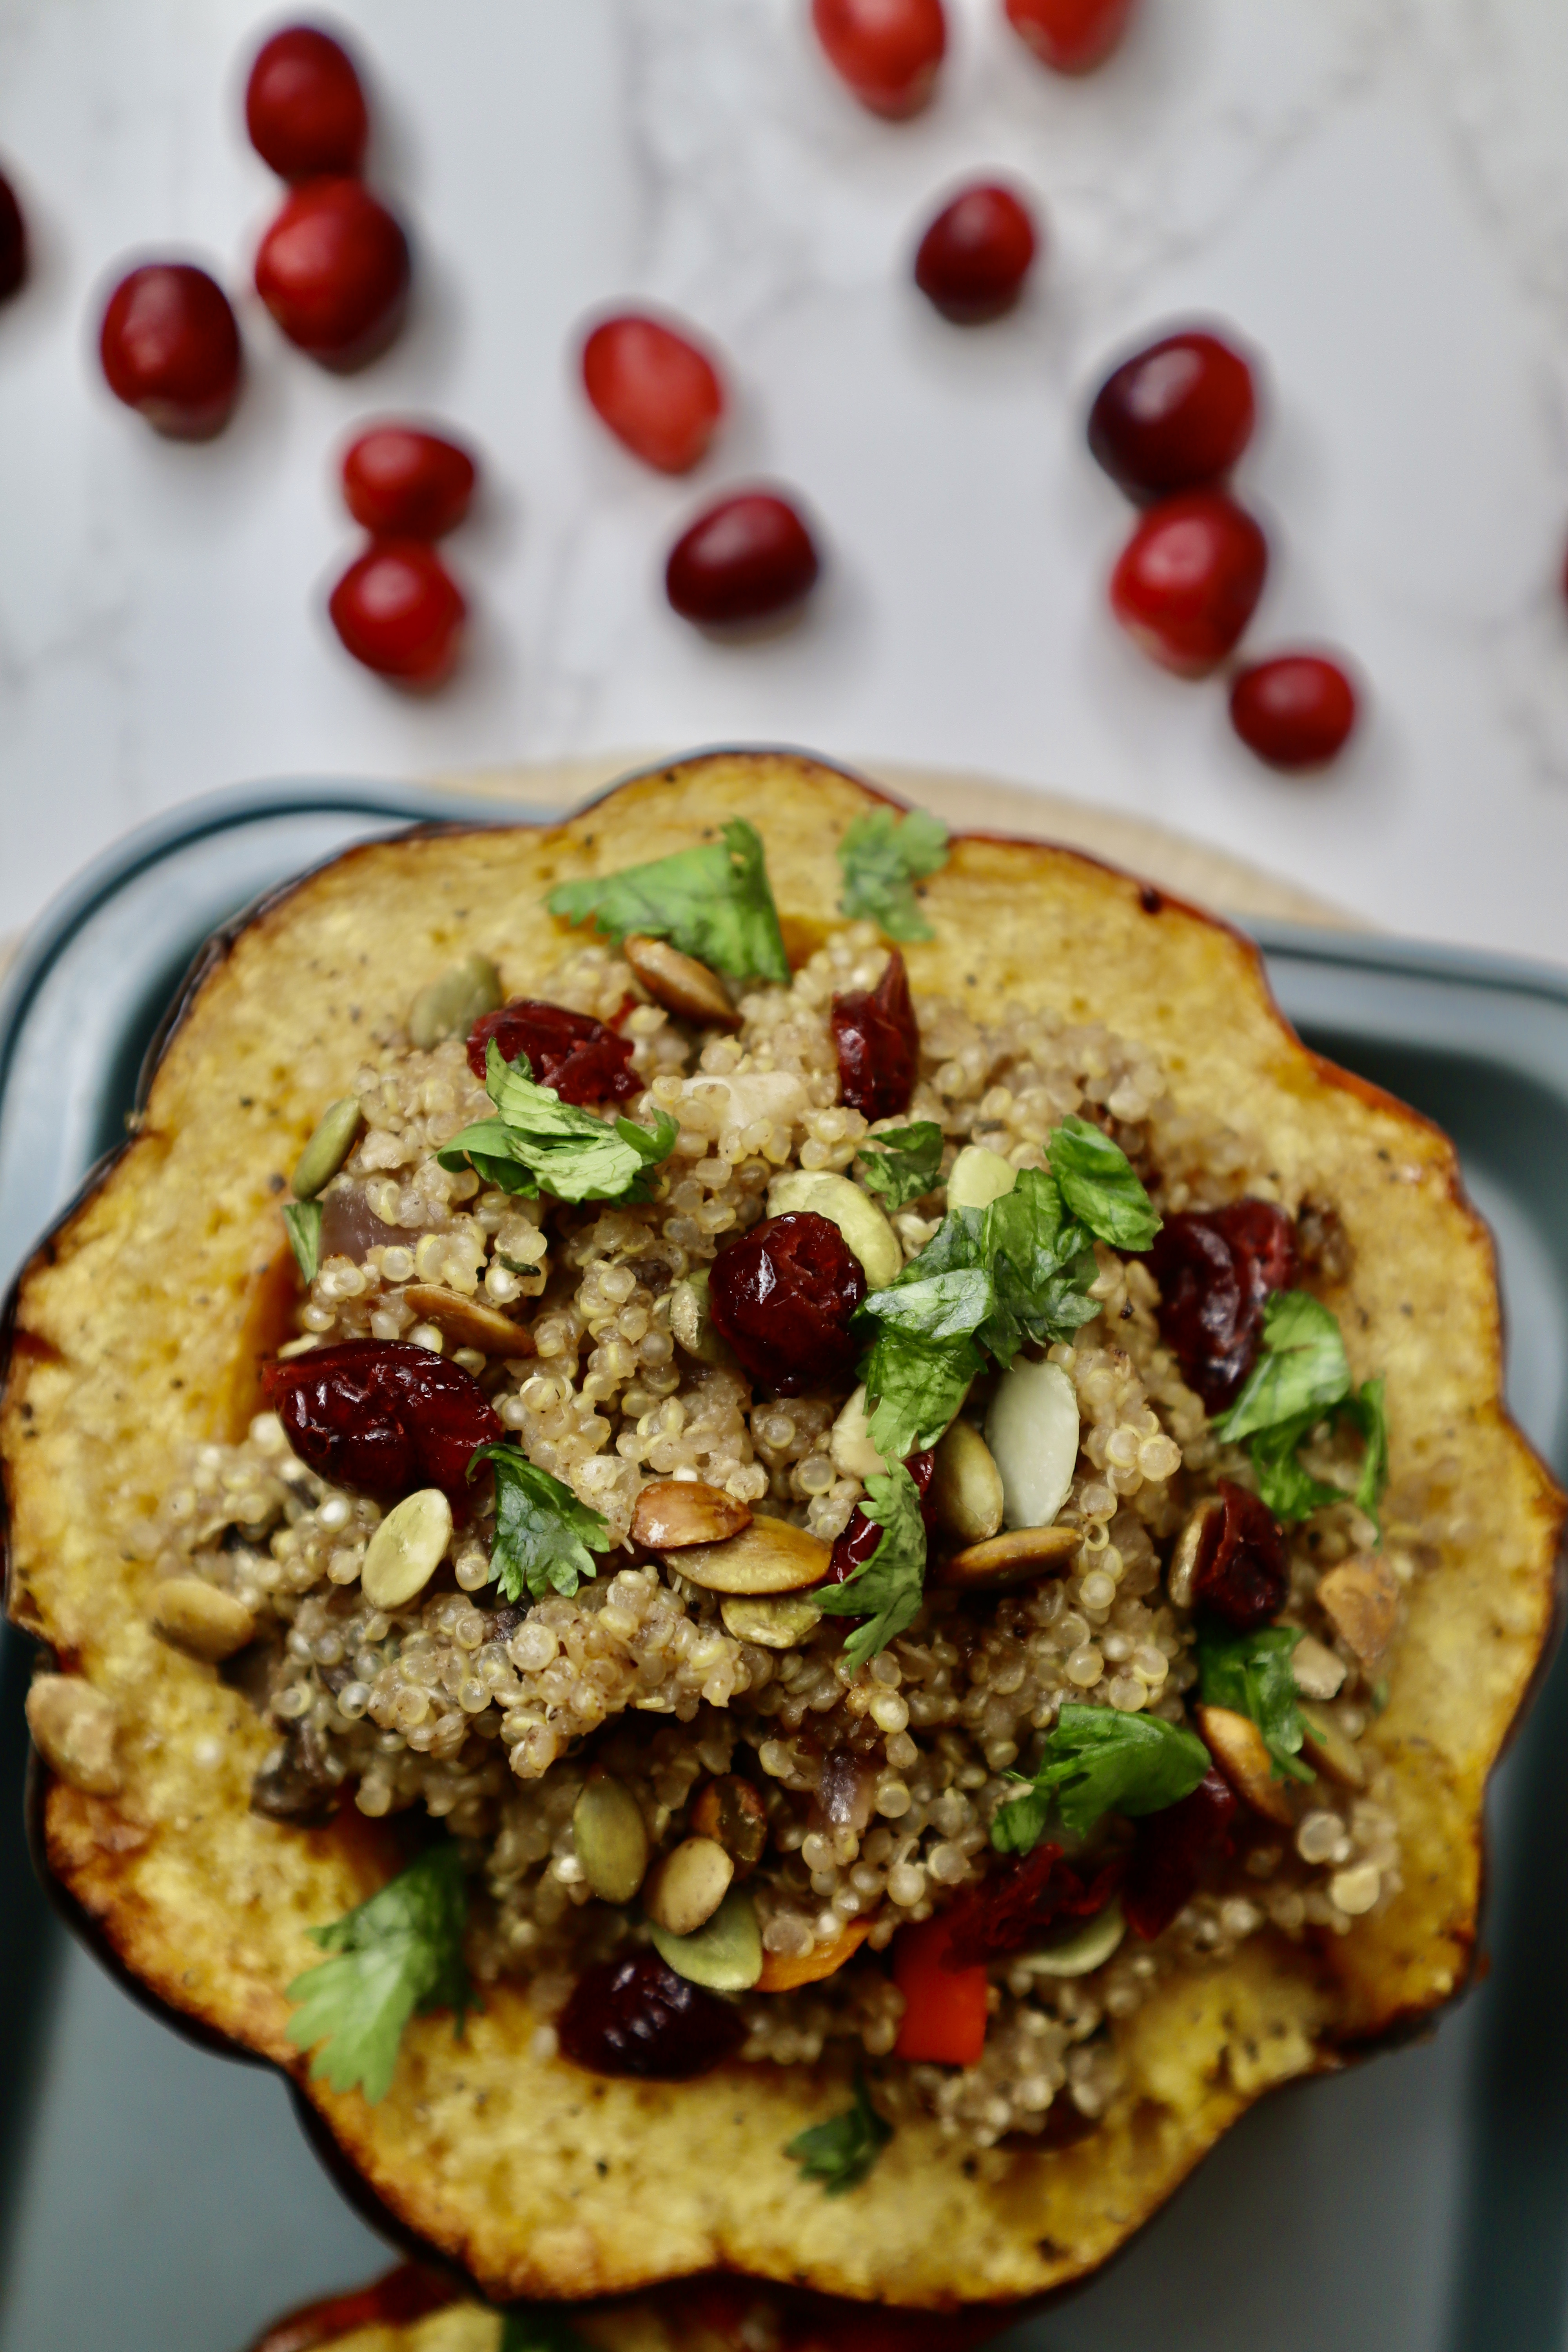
<point>1375,192</point>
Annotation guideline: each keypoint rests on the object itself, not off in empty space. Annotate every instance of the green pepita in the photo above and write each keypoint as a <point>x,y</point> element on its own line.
<point>450,1005</point>
<point>688,1321</point>
<point>610,1837</point>
<point>775,1621</point>
<point>725,1954</point>
<point>1093,1944</point>
<point>406,1549</point>
<point>327,1148</point>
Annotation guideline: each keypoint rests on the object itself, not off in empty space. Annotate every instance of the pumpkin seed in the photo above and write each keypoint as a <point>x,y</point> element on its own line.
<point>979,1176</point>
<point>770,1555</point>
<point>1093,1944</point>
<point>74,1729</point>
<point>844,1204</point>
<point>1032,1430</point>
<point>689,1322</point>
<point>449,1006</point>
<point>1191,1544</point>
<point>1237,1746</point>
<point>468,1322</point>
<point>327,1148</point>
<point>406,1549</point>
<point>687,1885</point>
<point>1016,1557</point>
<point>1330,1750</point>
<point>671,1513</point>
<point>200,1619</point>
<point>854,1455</point>
<point>775,1621</point>
<point>610,1837</point>
<point>680,982</point>
<point>726,1954</point>
<point>966,1487</point>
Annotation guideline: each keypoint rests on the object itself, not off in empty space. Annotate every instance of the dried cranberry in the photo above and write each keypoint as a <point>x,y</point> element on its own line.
<point>304,108</point>
<point>398,610</point>
<point>383,1416</point>
<point>1296,710</point>
<point>170,349</point>
<point>638,2017</point>
<point>1071,36</point>
<point>1173,1852</point>
<point>974,258</point>
<point>657,392</point>
<point>1174,415</point>
<point>582,1060</point>
<point>879,1043</point>
<point>783,1296</point>
<point>744,560</point>
<point>1242,1572</point>
<point>861,1537</point>
<point>333,271</point>
<point>1216,1269</point>
<point>404,483</point>
<point>1016,1905</point>
<point>1186,584</point>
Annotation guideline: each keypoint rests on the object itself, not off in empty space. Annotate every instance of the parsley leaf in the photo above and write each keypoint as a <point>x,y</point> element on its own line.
<point>1302,1377</point>
<point>1100,1186</point>
<point>539,2327</point>
<point>712,902</point>
<point>544,1535</point>
<point>399,1954</point>
<point>903,1161</point>
<point>841,2152</point>
<point>1250,1673</point>
<point>886,1590</point>
<point>919,1385</point>
<point>882,855</point>
<point>302,1221</point>
<point>541,1144</point>
<point>1096,1761</point>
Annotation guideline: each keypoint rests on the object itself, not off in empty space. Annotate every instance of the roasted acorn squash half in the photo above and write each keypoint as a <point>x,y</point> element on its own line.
<point>139,1330</point>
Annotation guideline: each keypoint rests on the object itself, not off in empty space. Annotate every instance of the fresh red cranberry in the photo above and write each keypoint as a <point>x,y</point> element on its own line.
<point>333,271</point>
<point>579,1057</point>
<point>974,257</point>
<point>12,241</point>
<point>1188,579</point>
<point>1173,416</point>
<point>1173,1852</point>
<point>1242,1572</point>
<point>304,108</point>
<point>1071,36</point>
<point>747,558</point>
<point>1294,711</point>
<point>382,1414</point>
<point>1216,1269</point>
<point>398,610</point>
<point>654,390</point>
<point>860,1538</point>
<point>636,2017</point>
<point>879,1043</point>
<point>1023,1902</point>
<point>170,349</point>
<point>783,1296</point>
<point>401,483</point>
<point>887,50</point>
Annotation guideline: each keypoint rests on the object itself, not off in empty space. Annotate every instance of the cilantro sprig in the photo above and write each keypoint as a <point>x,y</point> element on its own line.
<point>901,1163</point>
<point>1251,1674</point>
<point>398,1954</point>
<point>887,1589</point>
<point>712,901</point>
<point>546,1538</point>
<point>842,2152</point>
<point>539,1144</point>
<point>1302,1377</point>
<point>1096,1761</point>
<point>882,855</point>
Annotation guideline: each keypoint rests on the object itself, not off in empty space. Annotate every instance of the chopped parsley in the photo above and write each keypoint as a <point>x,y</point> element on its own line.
<point>302,1223</point>
<point>1251,1674</point>
<point>546,1538</point>
<point>842,2152</point>
<point>1302,1377</point>
<point>887,1589</point>
<point>399,1954</point>
<point>882,855</point>
<point>712,902</point>
<point>901,1163</point>
<point>540,1144</point>
<point>1096,1761</point>
<point>1099,1186</point>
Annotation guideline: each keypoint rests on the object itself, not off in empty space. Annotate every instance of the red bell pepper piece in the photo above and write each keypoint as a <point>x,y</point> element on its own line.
<point>945,2008</point>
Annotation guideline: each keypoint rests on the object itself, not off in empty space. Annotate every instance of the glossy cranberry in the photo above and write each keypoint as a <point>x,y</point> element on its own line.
<point>1216,1269</point>
<point>579,1057</point>
<point>1022,1902</point>
<point>879,1043</point>
<point>383,1416</point>
<point>654,390</point>
<point>861,1536</point>
<point>1175,416</point>
<point>304,108</point>
<point>12,241</point>
<point>333,271</point>
<point>1294,711</point>
<point>1188,579</point>
<point>1071,36</point>
<point>744,560</point>
<point>1242,1573</point>
<point>887,50</point>
<point>398,610</point>
<point>974,258</point>
<point>170,349</point>
<point>404,484</point>
<point>783,1296</point>
<point>1173,1852</point>
<point>638,2017</point>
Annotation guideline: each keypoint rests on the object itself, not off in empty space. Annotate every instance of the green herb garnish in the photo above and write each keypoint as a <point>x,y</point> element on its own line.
<point>399,1954</point>
<point>1303,1376</point>
<point>712,902</point>
<point>1096,1761</point>
<point>882,855</point>
<point>1251,1674</point>
<point>901,1163</point>
<point>842,2152</point>
<point>1099,1186</point>
<point>302,1223</point>
<point>886,1590</point>
<point>540,1144</point>
<point>546,1538</point>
